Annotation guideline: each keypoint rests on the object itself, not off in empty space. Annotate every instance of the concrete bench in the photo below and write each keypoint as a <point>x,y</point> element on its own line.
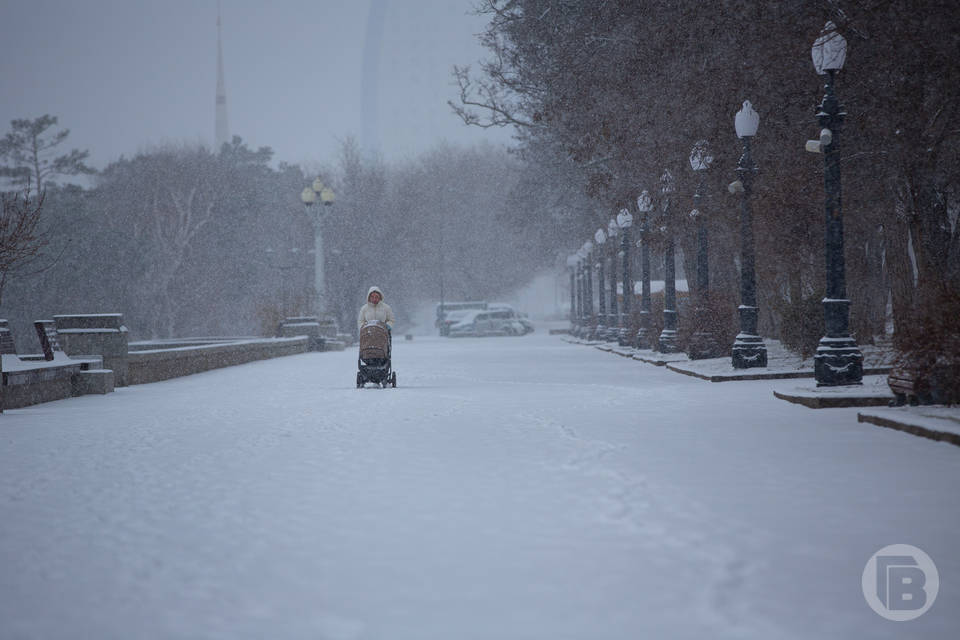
<point>92,377</point>
<point>32,379</point>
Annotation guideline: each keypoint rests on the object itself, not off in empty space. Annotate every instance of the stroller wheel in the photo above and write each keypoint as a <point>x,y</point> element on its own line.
<point>359,380</point>
<point>393,379</point>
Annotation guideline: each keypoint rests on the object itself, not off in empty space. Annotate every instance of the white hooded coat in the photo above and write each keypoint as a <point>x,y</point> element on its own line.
<point>380,312</point>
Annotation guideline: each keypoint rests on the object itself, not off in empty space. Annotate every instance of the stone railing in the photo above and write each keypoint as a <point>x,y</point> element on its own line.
<point>154,361</point>
<point>98,356</point>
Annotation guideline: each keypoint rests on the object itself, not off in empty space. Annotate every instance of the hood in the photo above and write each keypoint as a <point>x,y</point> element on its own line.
<point>377,289</point>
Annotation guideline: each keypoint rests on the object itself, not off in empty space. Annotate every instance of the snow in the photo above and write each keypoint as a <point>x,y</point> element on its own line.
<point>11,363</point>
<point>219,345</point>
<point>510,488</point>
<point>874,386</point>
<point>88,330</point>
<point>780,361</point>
<point>937,418</point>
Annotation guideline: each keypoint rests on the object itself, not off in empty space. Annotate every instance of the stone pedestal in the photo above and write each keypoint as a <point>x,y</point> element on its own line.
<point>308,326</point>
<point>96,334</point>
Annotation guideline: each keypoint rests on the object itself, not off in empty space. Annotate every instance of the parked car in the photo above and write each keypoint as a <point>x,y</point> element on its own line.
<point>525,321</point>
<point>519,317</point>
<point>450,318</point>
<point>488,323</point>
<point>450,312</point>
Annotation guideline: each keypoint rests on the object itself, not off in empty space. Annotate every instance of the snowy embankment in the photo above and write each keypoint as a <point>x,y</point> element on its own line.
<point>510,488</point>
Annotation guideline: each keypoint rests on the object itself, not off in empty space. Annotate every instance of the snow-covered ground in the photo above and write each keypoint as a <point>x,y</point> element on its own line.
<point>510,488</point>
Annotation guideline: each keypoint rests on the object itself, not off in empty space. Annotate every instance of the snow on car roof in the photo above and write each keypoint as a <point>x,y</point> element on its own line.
<point>459,313</point>
<point>470,315</point>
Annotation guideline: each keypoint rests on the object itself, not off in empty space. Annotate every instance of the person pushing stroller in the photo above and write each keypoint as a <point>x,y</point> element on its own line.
<point>375,328</point>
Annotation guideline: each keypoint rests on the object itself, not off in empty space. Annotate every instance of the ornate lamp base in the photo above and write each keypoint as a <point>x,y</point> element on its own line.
<point>749,352</point>
<point>838,362</point>
<point>668,337</point>
<point>643,333</point>
<point>668,341</point>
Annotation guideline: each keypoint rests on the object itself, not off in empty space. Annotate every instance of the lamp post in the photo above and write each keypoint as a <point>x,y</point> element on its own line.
<point>589,318</point>
<point>838,360</point>
<point>572,265</point>
<point>625,221</point>
<point>600,237</point>
<point>748,348</point>
<point>702,343</point>
<point>581,305</point>
<point>644,206</point>
<point>613,322</point>
<point>309,196</point>
<point>668,337</point>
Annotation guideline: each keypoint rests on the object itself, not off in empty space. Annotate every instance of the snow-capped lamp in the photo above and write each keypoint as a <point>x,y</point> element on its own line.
<point>315,191</point>
<point>587,248</point>
<point>829,50</point>
<point>667,183</point>
<point>748,348</point>
<point>624,219</point>
<point>600,237</point>
<point>746,121</point>
<point>612,228</point>
<point>308,196</point>
<point>700,156</point>
<point>838,360</point>
<point>572,261</point>
<point>644,202</point>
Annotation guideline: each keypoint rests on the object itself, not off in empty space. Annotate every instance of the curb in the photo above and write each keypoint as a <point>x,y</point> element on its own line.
<point>834,402</point>
<point>924,432</point>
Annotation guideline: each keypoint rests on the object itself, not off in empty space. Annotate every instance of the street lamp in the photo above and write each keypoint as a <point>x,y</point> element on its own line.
<point>748,348</point>
<point>588,290</point>
<point>613,320</point>
<point>572,265</point>
<point>703,343</point>
<point>838,360</point>
<point>309,196</point>
<point>589,322</point>
<point>625,221</point>
<point>600,237</point>
<point>644,206</point>
<point>581,292</point>
<point>668,337</point>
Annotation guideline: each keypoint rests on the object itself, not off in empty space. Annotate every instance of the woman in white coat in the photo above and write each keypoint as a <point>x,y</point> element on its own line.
<point>376,310</point>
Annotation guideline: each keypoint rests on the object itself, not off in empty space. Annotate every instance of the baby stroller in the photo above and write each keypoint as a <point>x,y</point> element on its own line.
<point>374,362</point>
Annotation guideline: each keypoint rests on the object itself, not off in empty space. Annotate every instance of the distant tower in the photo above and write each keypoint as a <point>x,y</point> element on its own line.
<point>370,86</point>
<point>223,130</point>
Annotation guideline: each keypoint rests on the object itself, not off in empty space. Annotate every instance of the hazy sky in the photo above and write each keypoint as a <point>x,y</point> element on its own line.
<point>123,75</point>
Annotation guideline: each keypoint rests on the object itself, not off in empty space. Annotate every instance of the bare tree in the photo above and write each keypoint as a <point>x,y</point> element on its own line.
<point>20,237</point>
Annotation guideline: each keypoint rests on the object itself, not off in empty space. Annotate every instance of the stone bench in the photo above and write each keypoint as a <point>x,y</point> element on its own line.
<point>32,379</point>
<point>100,334</point>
